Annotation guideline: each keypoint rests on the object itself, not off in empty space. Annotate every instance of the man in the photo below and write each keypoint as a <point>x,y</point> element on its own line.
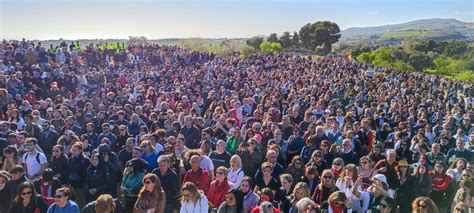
<point>206,135</point>
<point>387,168</point>
<point>106,133</point>
<point>37,117</point>
<point>17,174</point>
<point>92,135</point>
<point>180,147</point>
<point>278,140</point>
<point>126,153</point>
<point>31,128</point>
<point>70,124</point>
<point>277,168</point>
<point>347,154</point>
<point>435,154</point>
<point>191,133</point>
<point>320,136</point>
<point>47,139</point>
<point>110,159</point>
<point>35,162</point>
<point>458,152</point>
<point>5,129</point>
<point>170,182</point>
<point>220,157</point>
<point>197,175</point>
<point>135,124</point>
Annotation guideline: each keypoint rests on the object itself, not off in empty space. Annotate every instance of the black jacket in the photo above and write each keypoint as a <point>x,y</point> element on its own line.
<point>77,169</point>
<point>17,207</point>
<point>98,178</point>
<point>59,166</point>
<point>47,141</point>
<point>170,183</point>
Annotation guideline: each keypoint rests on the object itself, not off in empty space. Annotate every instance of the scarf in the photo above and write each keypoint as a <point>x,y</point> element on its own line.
<point>335,208</point>
<point>46,187</point>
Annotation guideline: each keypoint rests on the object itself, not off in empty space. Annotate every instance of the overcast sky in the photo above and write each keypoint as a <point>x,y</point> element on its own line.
<point>90,19</point>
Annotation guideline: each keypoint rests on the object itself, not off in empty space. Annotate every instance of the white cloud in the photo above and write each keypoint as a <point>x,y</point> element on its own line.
<point>373,12</point>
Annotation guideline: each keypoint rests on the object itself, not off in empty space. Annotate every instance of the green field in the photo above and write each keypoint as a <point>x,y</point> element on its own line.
<point>419,34</point>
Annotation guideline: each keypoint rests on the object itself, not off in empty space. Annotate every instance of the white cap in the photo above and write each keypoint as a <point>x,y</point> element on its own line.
<point>381,177</point>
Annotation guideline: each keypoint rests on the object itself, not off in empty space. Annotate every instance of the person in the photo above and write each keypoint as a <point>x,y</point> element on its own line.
<point>149,155</point>
<point>440,184</point>
<point>62,202</point>
<point>347,153</point>
<point>235,172</point>
<point>374,194</point>
<point>77,170</point>
<point>386,167</point>
<point>460,208</point>
<point>17,176</point>
<point>105,203</point>
<point>27,200</point>
<point>318,161</point>
<point>296,167</point>
<point>35,162</point>
<point>218,188</point>
<point>300,192</point>
<point>307,205</point>
<point>47,139</point>
<point>10,157</point>
<point>346,181</point>
<point>198,175</point>
<point>387,205</point>
<point>193,200</point>
<point>337,202</point>
<point>277,168</point>
<point>192,135</point>
<point>424,205</point>
<point>325,188</point>
<point>267,180</point>
<point>58,163</point>
<point>151,197</point>
<point>4,202</point>
<point>220,157</point>
<point>233,202</point>
<point>463,194</point>
<point>265,206</point>
<point>233,141</point>
<point>458,152</point>
<point>405,194</point>
<point>250,199</point>
<point>251,156</point>
<point>169,181</point>
<point>98,178</point>
<point>456,168</point>
<point>131,183</point>
<point>47,184</point>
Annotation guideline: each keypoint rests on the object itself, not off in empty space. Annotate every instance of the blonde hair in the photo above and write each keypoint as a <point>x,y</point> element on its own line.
<point>237,159</point>
<point>105,203</point>
<point>304,187</point>
<point>193,189</point>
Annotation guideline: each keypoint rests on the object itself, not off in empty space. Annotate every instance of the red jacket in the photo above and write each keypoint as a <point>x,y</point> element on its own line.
<point>217,192</point>
<point>201,178</point>
<point>441,181</point>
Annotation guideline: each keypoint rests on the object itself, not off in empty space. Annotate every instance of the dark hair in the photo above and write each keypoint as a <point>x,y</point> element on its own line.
<point>17,169</point>
<point>239,199</point>
<point>66,192</point>
<point>21,187</point>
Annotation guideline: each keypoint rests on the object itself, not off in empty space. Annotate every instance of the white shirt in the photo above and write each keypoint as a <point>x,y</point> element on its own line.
<point>235,178</point>
<point>200,206</point>
<point>32,165</point>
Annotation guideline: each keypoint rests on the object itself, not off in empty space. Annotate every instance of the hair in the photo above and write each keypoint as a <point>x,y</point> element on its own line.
<point>239,198</point>
<point>238,159</point>
<point>432,208</point>
<point>304,187</point>
<point>66,192</point>
<point>327,172</point>
<point>249,181</point>
<point>79,146</point>
<point>349,167</point>
<point>105,203</point>
<point>224,169</point>
<point>337,196</point>
<point>306,202</point>
<point>266,165</point>
<point>297,158</point>
<point>268,192</point>
<point>367,159</point>
<point>455,162</point>
<point>266,207</point>
<point>191,187</point>
<point>164,158</point>
<point>21,187</point>
<point>417,171</point>
<point>460,208</point>
<point>157,191</point>
<point>17,169</point>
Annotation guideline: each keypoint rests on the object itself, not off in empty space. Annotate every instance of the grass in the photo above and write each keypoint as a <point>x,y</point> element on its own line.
<point>417,33</point>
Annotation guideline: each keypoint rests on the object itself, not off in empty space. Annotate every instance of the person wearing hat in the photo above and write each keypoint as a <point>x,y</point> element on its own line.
<point>374,194</point>
<point>407,183</point>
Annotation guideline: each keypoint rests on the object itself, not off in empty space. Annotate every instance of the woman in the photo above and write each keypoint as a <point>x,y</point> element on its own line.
<point>63,202</point>
<point>234,141</point>
<point>250,199</point>
<point>283,195</point>
<point>27,200</point>
<point>131,183</point>
<point>251,156</point>
<point>311,178</point>
<point>98,178</point>
<point>300,191</point>
<point>58,163</point>
<point>337,167</point>
<point>376,154</point>
<point>236,174</point>
<point>423,181</point>
<point>149,155</point>
<point>366,170</point>
<point>308,150</point>
<point>15,118</point>
<point>10,157</point>
<point>460,208</point>
<point>325,147</point>
<point>440,185</point>
<point>456,168</point>
<point>346,183</point>
<point>266,195</point>
<point>463,194</point>
<point>337,203</point>
<point>387,205</point>
<point>205,147</point>
<point>424,205</point>
<point>405,193</point>
<point>76,172</point>
<point>104,203</point>
<point>218,188</point>
<point>233,202</point>
<point>317,161</point>
<point>325,188</point>
<point>192,199</point>
<point>267,180</point>
<point>151,197</point>
<point>296,168</point>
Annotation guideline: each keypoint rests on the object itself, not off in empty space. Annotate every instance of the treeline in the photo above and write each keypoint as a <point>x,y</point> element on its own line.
<point>453,58</point>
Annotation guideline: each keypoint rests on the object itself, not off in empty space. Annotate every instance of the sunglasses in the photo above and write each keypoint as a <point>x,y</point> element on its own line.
<point>466,175</point>
<point>186,194</point>
<point>58,196</point>
<point>324,146</point>
<point>148,182</point>
<point>327,177</point>
<point>422,206</point>
<point>384,206</point>
<point>364,162</point>
<point>27,193</point>
<point>220,173</point>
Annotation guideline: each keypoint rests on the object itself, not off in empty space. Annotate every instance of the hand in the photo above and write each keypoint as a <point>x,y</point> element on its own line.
<point>383,169</point>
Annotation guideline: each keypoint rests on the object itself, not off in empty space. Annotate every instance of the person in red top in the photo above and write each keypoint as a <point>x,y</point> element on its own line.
<point>219,188</point>
<point>440,184</point>
<point>197,175</point>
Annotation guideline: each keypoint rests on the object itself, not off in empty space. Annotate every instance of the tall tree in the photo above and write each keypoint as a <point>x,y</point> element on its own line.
<point>295,40</point>
<point>285,39</point>
<point>273,37</point>
<point>321,33</point>
<point>255,42</point>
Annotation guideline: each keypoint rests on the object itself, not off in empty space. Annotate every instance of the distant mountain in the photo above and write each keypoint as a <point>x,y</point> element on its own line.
<point>465,29</point>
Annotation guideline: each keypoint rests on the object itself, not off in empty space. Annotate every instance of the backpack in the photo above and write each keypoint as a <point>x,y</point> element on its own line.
<point>37,156</point>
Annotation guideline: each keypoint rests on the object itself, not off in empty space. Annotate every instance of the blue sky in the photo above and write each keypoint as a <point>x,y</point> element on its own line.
<point>89,19</point>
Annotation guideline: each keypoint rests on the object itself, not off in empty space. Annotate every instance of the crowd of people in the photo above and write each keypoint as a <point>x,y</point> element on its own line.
<point>151,128</point>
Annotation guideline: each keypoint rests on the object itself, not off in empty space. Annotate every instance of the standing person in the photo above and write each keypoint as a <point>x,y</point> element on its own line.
<point>407,182</point>
<point>423,186</point>
<point>250,199</point>
<point>151,197</point>
<point>191,133</point>
<point>35,162</point>
<point>424,205</point>
<point>27,201</point>
<point>169,181</point>
<point>58,163</point>
<point>251,157</point>
<point>77,169</point>
<point>47,184</point>
<point>47,138</point>
<point>220,157</point>
<point>387,168</point>
<point>98,179</point>
<point>62,202</point>
<point>4,202</point>
<point>193,200</point>
<point>131,183</point>
<point>441,182</point>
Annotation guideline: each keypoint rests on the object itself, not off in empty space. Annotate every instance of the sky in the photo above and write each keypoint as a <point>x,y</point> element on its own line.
<point>158,19</point>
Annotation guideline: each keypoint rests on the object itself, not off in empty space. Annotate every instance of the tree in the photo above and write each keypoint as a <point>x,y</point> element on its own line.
<point>321,33</point>
<point>246,50</point>
<point>270,47</point>
<point>285,40</point>
<point>419,62</point>
<point>273,37</point>
<point>295,40</point>
<point>255,42</point>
